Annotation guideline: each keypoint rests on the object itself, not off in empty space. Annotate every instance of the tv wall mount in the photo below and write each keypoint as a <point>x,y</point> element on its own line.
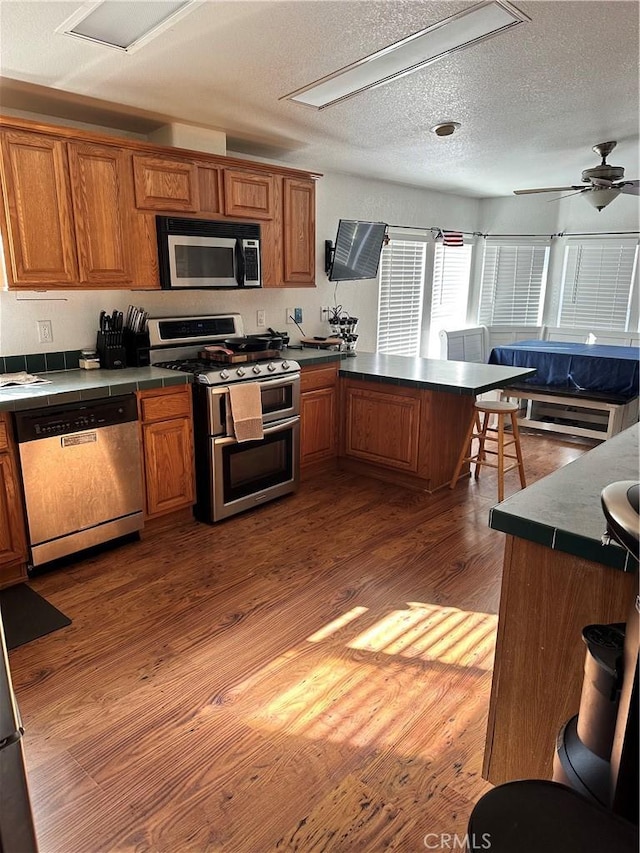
<point>329,252</point>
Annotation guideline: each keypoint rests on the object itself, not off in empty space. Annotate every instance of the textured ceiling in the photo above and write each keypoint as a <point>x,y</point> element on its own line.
<point>531,102</point>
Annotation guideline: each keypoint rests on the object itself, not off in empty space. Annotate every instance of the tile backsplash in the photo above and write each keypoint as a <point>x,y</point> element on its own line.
<point>40,362</point>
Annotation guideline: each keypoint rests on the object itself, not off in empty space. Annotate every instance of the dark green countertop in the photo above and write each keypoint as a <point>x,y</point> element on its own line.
<point>307,356</point>
<point>563,511</point>
<point>451,377</point>
<point>72,386</point>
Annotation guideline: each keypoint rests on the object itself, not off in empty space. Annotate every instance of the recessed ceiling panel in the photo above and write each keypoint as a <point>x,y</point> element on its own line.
<point>124,24</point>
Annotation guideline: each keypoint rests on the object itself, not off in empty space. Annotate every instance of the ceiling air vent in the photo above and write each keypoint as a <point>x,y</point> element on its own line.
<point>125,24</point>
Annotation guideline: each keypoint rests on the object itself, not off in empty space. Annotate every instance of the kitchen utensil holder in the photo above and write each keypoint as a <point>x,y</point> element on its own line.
<point>136,345</point>
<point>111,350</point>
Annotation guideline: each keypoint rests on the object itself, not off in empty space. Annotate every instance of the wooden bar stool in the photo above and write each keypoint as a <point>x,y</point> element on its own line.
<point>484,433</point>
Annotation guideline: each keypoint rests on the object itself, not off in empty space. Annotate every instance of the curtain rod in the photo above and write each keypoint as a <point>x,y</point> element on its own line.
<point>551,236</point>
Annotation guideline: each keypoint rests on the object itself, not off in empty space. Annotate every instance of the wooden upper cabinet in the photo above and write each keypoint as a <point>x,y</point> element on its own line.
<point>38,210</point>
<point>299,226</point>
<point>248,194</point>
<point>210,189</point>
<point>101,190</point>
<point>165,184</point>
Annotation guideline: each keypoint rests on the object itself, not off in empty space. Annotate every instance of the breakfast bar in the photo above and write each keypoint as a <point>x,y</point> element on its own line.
<point>404,419</point>
<point>558,577</point>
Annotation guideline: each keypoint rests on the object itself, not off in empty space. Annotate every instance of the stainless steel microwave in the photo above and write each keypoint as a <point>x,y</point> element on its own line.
<point>198,254</point>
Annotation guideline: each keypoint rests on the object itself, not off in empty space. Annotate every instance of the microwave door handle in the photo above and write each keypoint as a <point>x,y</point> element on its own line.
<point>239,250</point>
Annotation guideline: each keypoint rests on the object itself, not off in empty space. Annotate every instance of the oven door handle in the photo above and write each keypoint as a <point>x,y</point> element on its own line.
<point>280,381</point>
<point>281,426</point>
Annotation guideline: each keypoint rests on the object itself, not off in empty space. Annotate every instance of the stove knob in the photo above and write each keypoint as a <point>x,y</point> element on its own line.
<point>257,369</point>
<point>239,372</point>
<point>224,374</point>
<point>285,365</point>
<point>271,367</point>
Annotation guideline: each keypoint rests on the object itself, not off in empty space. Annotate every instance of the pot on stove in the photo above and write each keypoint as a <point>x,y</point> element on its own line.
<point>248,344</point>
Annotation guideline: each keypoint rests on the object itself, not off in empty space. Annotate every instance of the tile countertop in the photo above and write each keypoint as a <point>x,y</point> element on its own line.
<point>563,511</point>
<point>72,386</point>
<point>452,377</point>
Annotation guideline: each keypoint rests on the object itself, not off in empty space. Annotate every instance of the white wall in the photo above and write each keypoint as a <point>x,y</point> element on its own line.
<point>74,314</point>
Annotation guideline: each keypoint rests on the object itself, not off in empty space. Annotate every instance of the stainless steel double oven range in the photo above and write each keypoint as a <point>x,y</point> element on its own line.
<point>232,476</point>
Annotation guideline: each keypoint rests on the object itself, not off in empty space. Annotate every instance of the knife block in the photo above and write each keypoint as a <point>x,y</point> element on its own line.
<point>111,350</point>
<point>136,345</point>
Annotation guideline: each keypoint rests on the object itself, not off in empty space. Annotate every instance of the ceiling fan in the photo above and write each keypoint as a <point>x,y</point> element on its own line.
<point>601,184</point>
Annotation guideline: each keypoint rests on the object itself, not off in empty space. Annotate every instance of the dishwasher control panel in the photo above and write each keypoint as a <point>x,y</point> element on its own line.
<point>71,418</point>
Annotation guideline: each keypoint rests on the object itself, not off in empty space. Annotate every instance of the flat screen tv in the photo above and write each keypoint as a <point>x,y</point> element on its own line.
<point>356,253</point>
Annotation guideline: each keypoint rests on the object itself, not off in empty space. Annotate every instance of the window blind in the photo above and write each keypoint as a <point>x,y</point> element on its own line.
<point>451,271</point>
<point>401,297</point>
<point>597,281</point>
<point>512,284</point>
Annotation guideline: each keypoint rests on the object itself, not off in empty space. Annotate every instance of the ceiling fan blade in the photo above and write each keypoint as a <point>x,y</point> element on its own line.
<point>550,190</point>
<point>569,195</point>
<point>631,187</point>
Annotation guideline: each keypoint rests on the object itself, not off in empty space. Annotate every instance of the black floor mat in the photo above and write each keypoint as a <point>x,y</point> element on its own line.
<point>27,616</point>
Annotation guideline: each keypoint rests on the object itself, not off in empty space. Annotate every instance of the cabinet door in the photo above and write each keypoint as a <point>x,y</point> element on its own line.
<point>318,425</point>
<point>168,456</point>
<point>382,428</point>
<point>13,540</point>
<point>164,184</point>
<point>101,190</point>
<point>299,227</point>
<point>248,194</point>
<point>37,199</point>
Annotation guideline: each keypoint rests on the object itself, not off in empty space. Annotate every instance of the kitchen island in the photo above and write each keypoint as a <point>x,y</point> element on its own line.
<point>558,577</point>
<point>404,419</point>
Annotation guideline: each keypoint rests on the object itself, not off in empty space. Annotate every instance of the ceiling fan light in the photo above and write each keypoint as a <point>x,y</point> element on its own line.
<point>600,197</point>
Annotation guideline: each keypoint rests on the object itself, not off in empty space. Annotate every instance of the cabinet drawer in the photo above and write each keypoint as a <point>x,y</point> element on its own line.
<point>313,378</point>
<point>165,403</point>
<point>4,436</point>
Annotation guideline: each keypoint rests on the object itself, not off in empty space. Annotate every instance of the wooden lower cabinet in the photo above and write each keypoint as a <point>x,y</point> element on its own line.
<point>167,445</point>
<point>13,540</point>
<point>547,598</point>
<point>383,426</point>
<point>318,415</point>
<point>411,436</point>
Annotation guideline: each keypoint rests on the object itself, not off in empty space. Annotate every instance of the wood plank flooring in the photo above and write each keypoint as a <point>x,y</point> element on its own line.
<point>311,676</point>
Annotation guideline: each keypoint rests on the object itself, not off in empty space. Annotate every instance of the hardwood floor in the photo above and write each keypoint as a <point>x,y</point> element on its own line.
<point>310,676</point>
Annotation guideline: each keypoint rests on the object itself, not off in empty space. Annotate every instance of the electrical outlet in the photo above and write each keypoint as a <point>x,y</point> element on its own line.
<point>261,319</point>
<point>325,313</point>
<point>45,332</point>
<point>297,315</point>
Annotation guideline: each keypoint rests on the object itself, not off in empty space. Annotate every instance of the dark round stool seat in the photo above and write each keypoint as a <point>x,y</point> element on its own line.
<point>536,816</point>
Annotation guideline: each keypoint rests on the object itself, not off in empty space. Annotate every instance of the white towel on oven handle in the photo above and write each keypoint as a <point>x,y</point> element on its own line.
<point>246,411</point>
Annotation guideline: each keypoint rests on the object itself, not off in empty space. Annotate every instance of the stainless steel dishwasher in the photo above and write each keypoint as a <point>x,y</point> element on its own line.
<point>82,477</point>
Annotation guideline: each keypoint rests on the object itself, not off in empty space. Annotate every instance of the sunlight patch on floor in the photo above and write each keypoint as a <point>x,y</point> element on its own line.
<point>430,632</point>
<point>410,675</point>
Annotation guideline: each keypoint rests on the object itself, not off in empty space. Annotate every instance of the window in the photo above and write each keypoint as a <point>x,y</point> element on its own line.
<point>513,279</point>
<point>597,283</point>
<point>400,304</point>
<point>450,291</point>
